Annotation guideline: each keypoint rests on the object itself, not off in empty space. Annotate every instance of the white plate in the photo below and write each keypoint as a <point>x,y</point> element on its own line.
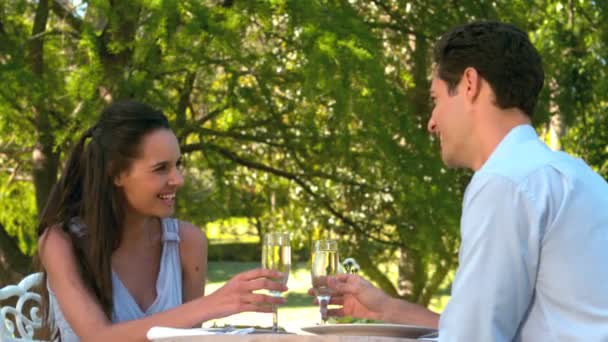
<point>392,330</point>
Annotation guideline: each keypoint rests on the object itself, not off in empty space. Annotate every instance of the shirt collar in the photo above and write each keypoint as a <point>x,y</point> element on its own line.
<point>516,136</point>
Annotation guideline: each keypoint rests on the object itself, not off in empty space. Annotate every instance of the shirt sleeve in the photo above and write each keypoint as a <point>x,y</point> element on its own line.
<point>498,261</point>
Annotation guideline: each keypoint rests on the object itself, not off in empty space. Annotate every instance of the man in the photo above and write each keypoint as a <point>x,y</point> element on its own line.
<point>533,261</point>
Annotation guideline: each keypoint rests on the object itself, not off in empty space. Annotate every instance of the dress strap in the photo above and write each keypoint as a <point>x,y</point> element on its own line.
<point>170,229</point>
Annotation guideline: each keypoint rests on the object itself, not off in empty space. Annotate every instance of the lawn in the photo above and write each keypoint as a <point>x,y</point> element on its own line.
<point>299,310</point>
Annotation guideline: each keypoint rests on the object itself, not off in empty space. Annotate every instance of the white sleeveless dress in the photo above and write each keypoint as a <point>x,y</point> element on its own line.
<point>168,287</point>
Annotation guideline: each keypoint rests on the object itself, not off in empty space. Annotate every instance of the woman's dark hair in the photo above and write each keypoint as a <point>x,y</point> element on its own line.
<point>86,197</point>
<point>501,53</point>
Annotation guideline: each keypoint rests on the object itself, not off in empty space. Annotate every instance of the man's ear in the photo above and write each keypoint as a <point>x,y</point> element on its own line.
<point>471,83</point>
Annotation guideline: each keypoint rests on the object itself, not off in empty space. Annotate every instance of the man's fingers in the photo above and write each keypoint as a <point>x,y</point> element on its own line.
<point>343,277</point>
<point>335,300</point>
<point>336,312</point>
<point>343,283</point>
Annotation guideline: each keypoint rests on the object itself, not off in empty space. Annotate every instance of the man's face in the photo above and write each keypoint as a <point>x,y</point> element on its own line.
<point>450,122</point>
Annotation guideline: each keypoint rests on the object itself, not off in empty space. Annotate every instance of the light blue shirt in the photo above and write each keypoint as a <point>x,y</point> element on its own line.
<point>534,251</point>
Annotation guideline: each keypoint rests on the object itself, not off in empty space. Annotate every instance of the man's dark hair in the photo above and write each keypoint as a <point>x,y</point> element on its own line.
<point>501,53</point>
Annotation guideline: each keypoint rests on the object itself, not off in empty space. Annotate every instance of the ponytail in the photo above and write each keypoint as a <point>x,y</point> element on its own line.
<point>74,201</point>
<point>86,204</point>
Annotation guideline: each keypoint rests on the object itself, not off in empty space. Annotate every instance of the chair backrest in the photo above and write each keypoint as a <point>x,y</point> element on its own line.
<point>16,325</point>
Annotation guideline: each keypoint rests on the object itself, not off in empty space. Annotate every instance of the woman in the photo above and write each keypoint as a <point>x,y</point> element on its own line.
<point>116,263</point>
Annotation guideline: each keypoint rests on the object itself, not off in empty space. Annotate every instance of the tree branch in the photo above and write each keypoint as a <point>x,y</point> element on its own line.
<point>184,99</point>
<point>59,8</point>
<point>240,136</point>
<point>197,125</point>
<point>395,27</point>
<point>281,173</point>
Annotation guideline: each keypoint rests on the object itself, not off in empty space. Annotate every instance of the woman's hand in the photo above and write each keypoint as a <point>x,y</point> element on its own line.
<point>237,295</point>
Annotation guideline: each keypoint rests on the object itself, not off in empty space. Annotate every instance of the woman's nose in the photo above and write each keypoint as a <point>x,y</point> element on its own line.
<point>177,178</point>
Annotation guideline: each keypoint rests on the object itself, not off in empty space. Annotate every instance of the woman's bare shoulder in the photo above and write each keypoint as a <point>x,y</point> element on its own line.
<point>189,233</point>
<point>53,241</point>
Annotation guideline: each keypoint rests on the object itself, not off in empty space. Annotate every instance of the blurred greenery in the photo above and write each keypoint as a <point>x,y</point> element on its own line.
<point>306,116</point>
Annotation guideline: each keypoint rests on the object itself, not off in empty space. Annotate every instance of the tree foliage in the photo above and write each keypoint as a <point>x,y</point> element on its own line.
<point>300,115</point>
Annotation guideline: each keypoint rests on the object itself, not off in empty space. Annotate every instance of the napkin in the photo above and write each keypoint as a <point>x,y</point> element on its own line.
<point>165,332</point>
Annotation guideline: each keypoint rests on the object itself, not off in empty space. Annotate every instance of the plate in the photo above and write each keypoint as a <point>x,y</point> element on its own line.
<point>391,330</point>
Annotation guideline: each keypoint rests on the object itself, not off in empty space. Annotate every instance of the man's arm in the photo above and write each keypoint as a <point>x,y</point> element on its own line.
<point>403,312</point>
<point>359,298</point>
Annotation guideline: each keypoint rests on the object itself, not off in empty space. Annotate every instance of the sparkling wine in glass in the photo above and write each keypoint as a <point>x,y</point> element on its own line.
<point>325,263</point>
<point>276,255</point>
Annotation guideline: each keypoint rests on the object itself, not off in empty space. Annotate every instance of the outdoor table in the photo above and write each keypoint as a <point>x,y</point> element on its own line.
<point>284,338</point>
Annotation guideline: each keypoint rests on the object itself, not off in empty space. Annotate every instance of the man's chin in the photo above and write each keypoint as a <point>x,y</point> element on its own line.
<point>449,161</point>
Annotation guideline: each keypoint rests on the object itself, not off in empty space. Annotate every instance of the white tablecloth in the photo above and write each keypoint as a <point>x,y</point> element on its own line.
<point>283,338</point>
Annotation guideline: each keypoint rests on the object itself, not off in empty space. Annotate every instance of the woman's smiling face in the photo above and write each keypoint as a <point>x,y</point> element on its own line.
<point>150,183</point>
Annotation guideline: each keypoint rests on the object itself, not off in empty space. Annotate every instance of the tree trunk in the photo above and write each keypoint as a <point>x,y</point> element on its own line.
<point>14,265</point>
<point>45,159</point>
<point>412,280</point>
<point>119,30</point>
<point>371,270</point>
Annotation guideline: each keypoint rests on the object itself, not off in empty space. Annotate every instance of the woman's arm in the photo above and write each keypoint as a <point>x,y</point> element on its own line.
<point>84,314</point>
<point>193,254</point>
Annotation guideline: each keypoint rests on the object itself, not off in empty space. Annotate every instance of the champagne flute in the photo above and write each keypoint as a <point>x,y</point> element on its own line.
<point>325,263</point>
<point>276,255</point>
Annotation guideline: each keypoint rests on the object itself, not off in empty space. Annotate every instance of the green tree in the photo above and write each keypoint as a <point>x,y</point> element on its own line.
<point>309,116</point>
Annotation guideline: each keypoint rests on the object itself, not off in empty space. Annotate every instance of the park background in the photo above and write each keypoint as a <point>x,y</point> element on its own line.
<point>300,115</point>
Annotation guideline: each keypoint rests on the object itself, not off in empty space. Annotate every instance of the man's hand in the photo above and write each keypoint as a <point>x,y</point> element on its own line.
<point>356,296</point>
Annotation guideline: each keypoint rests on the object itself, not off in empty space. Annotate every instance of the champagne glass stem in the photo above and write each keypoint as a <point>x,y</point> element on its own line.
<point>275,318</point>
<point>323,308</point>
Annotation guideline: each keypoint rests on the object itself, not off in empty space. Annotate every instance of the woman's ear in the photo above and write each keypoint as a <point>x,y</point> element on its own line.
<point>119,179</point>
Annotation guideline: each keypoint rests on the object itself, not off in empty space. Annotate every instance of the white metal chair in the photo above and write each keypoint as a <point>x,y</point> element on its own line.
<point>14,317</point>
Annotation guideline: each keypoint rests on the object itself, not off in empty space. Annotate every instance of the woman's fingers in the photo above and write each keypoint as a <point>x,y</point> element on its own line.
<point>255,302</point>
<point>258,273</point>
<point>258,298</point>
<point>264,284</point>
